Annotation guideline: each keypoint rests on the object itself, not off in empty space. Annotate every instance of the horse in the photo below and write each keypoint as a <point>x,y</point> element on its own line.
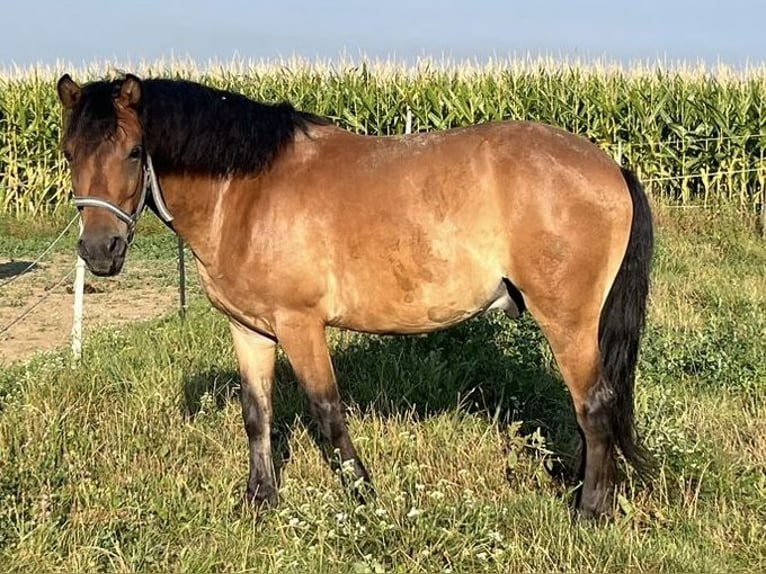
<point>297,225</point>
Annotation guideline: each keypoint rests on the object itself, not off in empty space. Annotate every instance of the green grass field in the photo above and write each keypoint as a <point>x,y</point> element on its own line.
<point>136,461</point>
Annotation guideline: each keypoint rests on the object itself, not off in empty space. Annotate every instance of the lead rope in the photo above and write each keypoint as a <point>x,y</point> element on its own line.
<point>154,185</point>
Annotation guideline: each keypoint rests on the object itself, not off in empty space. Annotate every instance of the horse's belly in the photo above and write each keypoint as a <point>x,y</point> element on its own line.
<point>405,321</point>
<point>423,307</point>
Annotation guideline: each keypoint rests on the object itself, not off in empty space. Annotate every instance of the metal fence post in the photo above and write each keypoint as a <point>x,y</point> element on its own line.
<point>182,278</point>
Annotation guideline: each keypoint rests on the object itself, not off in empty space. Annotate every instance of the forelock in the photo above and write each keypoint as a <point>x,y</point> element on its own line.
<point>94,119</point>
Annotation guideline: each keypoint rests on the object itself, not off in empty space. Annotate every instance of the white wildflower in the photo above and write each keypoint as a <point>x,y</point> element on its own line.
<point>414,512</point>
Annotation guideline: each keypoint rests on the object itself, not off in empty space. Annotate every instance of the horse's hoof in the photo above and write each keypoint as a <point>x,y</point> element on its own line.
<point>364,492</point>
<point>263,496</point>
<point>592,513</point>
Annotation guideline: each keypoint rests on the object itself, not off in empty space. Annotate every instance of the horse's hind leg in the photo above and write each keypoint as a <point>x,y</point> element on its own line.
<point>256,357</point>
<point>304,343</point>
<point>573,337</point>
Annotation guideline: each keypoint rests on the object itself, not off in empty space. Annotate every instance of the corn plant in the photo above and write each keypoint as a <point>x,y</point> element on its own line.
<point>692,135</point>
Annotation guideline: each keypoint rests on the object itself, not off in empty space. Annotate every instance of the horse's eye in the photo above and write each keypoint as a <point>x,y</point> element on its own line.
<point>136,152</point>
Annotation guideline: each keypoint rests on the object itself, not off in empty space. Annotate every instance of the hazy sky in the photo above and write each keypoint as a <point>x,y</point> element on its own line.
<point>48,31</point>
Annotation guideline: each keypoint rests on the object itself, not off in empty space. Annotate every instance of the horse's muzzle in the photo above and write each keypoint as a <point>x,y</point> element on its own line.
<point>104,254</point>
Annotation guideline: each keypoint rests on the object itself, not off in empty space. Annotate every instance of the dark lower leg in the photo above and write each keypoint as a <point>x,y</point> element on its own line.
<point>256,357</point>
<point>598,478</point>
<point>261,483</point>
<point>598,459</point>
<point>304,343</point>
<point>575,345</point>
<point>332,422</point>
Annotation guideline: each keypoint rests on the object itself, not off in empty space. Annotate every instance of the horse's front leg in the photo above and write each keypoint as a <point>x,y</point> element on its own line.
<point>304,343</point>
<point>256,356</point>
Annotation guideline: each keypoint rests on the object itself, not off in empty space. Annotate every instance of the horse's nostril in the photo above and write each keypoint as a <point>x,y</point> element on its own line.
<point>81,249</point>
<point>115,245</point>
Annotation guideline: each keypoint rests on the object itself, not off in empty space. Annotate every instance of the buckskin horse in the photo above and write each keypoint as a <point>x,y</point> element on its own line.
<point>297,225</point>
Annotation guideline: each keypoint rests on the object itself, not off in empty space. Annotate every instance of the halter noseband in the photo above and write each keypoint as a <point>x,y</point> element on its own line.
<point>150,185</point>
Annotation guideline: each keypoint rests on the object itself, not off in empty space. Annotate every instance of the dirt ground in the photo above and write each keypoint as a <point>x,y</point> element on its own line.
<point>134,295</point>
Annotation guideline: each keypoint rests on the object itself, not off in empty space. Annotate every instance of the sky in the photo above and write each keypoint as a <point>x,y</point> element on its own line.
<point>48,32</point>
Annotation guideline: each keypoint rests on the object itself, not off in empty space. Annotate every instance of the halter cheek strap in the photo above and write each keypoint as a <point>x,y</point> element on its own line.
<point>150,185</point>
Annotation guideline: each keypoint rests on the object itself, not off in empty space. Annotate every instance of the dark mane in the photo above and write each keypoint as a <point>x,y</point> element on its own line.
<point>191,128</point>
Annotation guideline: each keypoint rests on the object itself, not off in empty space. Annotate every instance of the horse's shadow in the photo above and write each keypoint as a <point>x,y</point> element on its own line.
<point>499,369</point>
<point>14,268</point>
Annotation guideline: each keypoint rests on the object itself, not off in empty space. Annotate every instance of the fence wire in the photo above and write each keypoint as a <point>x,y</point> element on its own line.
<point>41,256</point>
<point>48,292</point>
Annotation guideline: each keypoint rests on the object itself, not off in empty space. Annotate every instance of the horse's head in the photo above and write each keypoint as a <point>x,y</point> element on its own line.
<point>103,143</point>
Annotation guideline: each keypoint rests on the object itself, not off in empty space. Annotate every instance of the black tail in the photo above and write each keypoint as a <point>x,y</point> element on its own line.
<point>621,325</point>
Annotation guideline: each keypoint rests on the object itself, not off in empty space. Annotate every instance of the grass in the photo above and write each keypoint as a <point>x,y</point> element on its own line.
<point>135,460</point>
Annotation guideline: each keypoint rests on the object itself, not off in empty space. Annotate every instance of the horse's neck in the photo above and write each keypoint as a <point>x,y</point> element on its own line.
<point>196,205</point>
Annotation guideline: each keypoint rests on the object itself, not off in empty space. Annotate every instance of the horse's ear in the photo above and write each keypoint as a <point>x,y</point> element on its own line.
<point>69,91</point>
<point>130,91</point>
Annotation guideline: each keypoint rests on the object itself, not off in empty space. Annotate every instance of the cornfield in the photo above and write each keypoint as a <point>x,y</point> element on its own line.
<point>692,135</point>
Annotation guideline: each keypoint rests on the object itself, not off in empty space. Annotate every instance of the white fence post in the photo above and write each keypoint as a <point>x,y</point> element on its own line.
<point>762,192</point>
<point>78,288</point>
<point>408,121</point>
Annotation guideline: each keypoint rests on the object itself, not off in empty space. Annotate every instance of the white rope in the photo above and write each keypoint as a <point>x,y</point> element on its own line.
<point>40,257</point>
<point>678,140</point>
<point>48,293</point>
<point>699,175</point>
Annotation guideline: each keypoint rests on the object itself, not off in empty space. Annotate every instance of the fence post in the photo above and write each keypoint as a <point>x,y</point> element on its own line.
<point>763,210</point>
<point>182,278</point>
<point>618,156</point>
<point>408,121</point>
<point>78,288</point>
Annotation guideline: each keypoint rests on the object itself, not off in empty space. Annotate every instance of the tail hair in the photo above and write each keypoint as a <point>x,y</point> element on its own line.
<point>621,325</point>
